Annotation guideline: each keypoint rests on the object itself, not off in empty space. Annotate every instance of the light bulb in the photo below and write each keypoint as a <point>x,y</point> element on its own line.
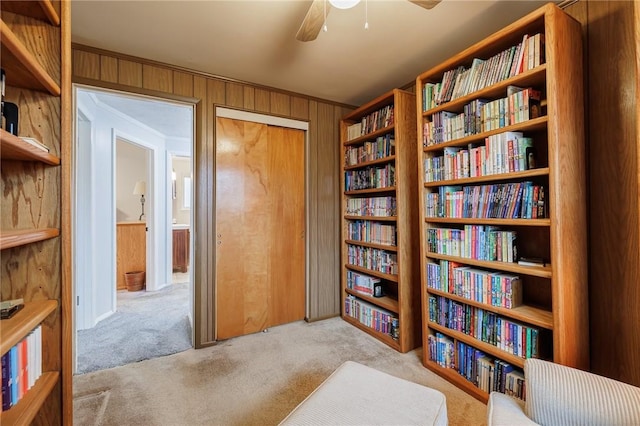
<point>344,4</point>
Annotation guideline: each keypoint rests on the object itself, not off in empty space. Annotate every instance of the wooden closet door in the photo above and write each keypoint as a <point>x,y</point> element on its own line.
<point>259,226</point>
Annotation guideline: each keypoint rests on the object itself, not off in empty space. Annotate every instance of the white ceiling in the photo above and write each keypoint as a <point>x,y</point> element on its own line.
<point>254,41</point>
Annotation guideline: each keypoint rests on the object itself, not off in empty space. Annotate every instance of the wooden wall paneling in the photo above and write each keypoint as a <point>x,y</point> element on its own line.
<point>614,188</point>
<point>299,108</point>
<point>327,212</point>
<point>312,216</point>
<point>156,78</point>
<point>108,69</point>
<point>216,94</point>
<point>249,98</point>
<point>182,84</point>
<point>86,64</point>
<point>129,73</point>
<point>280,104</point>
<point>262,100</point>
<point>234,96</point>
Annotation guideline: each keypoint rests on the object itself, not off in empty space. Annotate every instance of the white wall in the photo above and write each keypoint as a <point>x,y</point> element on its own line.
<point>97,175</point>
<point>131,167</point>
<point>182,168</point>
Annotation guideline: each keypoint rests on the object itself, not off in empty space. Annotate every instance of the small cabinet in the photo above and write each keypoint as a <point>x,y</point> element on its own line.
<point>131,241</point>
<point>181,249</point>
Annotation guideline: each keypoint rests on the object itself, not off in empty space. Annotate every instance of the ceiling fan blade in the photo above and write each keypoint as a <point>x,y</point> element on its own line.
<point>427,4</point>
<point>313,20</point>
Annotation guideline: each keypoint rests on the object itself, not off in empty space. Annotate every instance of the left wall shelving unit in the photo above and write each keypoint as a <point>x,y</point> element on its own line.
<point>34,236</point>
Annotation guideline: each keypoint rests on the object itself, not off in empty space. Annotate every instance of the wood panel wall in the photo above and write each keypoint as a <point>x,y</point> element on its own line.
<point>111,70</point>
<point>612,70</point>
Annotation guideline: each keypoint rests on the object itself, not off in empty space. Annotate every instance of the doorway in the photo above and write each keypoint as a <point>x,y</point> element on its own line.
<point>260,225</point>
<point>112,186</point>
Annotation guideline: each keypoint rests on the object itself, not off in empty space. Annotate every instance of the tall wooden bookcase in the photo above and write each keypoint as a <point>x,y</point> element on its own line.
<point>36,47</point>
<point>458,312</point>
<point>379,187</point>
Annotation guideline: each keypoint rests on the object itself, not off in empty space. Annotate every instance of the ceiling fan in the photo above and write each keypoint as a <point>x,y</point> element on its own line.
<point>315,17</point>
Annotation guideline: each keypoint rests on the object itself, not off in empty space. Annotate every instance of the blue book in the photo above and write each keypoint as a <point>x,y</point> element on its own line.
<point>15,375</point>
<point>6,381</point>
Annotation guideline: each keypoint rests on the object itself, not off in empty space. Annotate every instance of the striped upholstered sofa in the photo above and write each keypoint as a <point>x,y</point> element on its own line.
<point>564,396</point>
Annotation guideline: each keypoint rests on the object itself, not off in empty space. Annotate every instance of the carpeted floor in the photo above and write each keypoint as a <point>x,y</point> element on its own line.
<point>250,380</point>
<point>146,325</point>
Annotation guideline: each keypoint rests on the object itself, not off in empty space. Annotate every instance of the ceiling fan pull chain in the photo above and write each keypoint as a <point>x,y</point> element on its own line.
<point>366,14</point>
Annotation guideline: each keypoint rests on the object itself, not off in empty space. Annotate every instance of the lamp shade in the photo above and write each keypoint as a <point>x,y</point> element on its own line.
<point>140,188</point>
<point>344,4</point>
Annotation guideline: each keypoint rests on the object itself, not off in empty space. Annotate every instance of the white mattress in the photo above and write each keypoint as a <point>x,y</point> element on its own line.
<point>355,394</point>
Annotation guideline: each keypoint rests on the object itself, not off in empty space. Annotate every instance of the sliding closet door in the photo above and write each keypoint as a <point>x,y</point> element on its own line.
<point>259,226</point>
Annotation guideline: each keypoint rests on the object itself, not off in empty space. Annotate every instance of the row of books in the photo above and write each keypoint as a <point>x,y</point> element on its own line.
<point>524,200</point>
<point>21,368</point>
<point>371,232</point>
<point>505,334</point>
<point>485,372</point>
<point>382,147</point>
<point>520,105</point>
<point>481,242</point>
<point>370,123</point>
<point>370,178</point>
<point>461,81</point>
<point>372,316</point>
<point>372,206</point>
<point>373,259</point>
<point>362,283</point>
<point>491,288</point>
<point>502,153</point>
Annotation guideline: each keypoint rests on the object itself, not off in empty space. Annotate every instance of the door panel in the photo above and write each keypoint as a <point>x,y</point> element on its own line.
<point>287,211</point>
<point>259,226</point>
<point>241,218</point>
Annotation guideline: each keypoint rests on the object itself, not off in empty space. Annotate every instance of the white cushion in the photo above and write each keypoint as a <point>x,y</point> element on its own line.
<point>355,394</point>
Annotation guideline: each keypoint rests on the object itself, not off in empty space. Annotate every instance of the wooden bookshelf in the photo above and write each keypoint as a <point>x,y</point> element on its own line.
<point>555,295</point>
<point>35,39</point>
<point>402,291</point>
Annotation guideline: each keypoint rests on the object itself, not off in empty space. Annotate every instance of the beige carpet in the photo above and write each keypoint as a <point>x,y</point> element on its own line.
<point>249,380</point>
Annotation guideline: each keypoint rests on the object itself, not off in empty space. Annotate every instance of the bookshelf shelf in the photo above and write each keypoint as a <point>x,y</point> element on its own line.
<point>21,67</point>
<point>532,77</point>
<point>541,110</point>
<point>15,238</point>
<point>536,271</point>
<point>526,174</point>
<point>26,319</point>
<point>372,245</point>
<point>376,218</point>
<point>384,160</point>
<point>489,221</point>
<point>385,302</point>
<point>394,114</point>
<point>370,136</point>
<point>371,191</point>
<point>484,347</point>
<point>535,124</point>
<point>14,148</point>
<point>35,39</point>
<point>528,314</point>
<point>380,336</point>
<point>388,277</point>
<point>27,408</point>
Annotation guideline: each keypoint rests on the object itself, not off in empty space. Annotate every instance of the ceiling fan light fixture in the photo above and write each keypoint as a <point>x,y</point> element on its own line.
<point>344,4</point>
